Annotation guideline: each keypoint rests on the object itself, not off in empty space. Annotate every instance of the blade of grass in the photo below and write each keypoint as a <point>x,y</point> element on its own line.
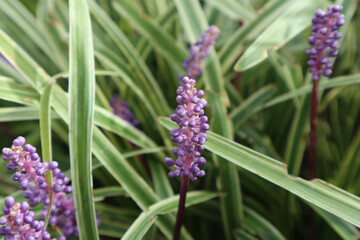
<point>233,10</point>
<point>335,82</point>
<point>241,113</point>
<point>27,22</point>
<point>81,116</point>
<point>17,93</point>
<point>45,10</point>
<point>317,192</point>
<point>11,114</point>
<point>345,230</point>
<point>151,30</point>
<point>102,193</point>
<point>260,226</point>
<point>292,22</point>
<point>234,46</point>
<point>146,219</point>
<point>124,45</point>
<point>46,148</point>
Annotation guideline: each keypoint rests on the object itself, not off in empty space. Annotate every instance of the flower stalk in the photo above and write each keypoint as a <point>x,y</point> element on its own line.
<point>324,44</point>
<point>181,209</point>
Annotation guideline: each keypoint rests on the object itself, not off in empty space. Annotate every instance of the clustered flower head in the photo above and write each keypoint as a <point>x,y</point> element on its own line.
<point>190,135</point>
<point>19,223</point>
<point>323,39</point>
<point>30,173</point>
<point>200,50</point>
<point>121,109</point>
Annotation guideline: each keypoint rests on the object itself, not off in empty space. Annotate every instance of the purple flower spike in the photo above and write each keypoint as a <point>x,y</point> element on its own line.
<point>323,40</point>
<point>19,223</point>
<point>200,50</point>
<point>121,109</point>
<point>189,136</point>
<point>30,173</point>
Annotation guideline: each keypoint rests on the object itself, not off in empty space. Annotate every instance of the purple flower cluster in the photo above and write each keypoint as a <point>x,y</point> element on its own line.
<point>19,223</point>
<point>121,109</point>
<point>200,50</point>
<point>189,136</point>
<point>323,39</point>
<point>30,173</point>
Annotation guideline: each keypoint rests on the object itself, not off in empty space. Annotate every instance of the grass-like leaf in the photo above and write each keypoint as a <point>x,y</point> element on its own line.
<point>317,192</point>
<point>81,116</point>
<point>292,22</point>
<point>45,133</point>
<point>142,224</point>
<point>151,30</point>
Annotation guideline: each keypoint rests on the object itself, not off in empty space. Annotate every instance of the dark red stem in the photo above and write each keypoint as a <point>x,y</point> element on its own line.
<point>181,208</point>
<point>313,117</point>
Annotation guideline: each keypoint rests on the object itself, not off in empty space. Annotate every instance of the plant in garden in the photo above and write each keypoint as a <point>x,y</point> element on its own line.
<point>324,44</point>
<point>30,173</point>
<point>64,61</point>
<point>190,136</point>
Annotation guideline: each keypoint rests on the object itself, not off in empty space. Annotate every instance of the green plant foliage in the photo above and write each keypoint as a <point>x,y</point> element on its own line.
<point>62,62</point>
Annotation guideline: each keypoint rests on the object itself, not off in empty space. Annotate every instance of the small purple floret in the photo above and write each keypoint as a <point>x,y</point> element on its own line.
<point>323,40</point>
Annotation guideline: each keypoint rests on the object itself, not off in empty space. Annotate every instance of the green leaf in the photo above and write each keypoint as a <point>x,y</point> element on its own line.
<point>293,21</point>
<point>252,104</point>
<point>233,10</point>
<point>27,22</point>
<point>335,82</point>
<point>45,11</point>
<point>345,230</point>
<point>17,93</point>
<point>45,133</point>
<point>234,46</point>
<point>102,193</point>
<point>145,77</point>
<point>81,115</point>
<point>11,114</point>
<point>31,71</point>
<point>260,226</point>
<point>283,71</point>
<point>146,219</point>
<point>317,192</point>
<point>151,30</point>
<point>112,229</point>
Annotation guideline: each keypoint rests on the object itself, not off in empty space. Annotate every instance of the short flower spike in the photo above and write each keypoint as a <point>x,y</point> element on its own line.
<point>323,39</point>
<point>200,50</point>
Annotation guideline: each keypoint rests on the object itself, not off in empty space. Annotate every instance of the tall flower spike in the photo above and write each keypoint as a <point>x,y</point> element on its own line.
<point>190,135</point>
<point>121,109</point>
<point>323,39</point>
<point>200,50</point>
<point>20,223</point>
